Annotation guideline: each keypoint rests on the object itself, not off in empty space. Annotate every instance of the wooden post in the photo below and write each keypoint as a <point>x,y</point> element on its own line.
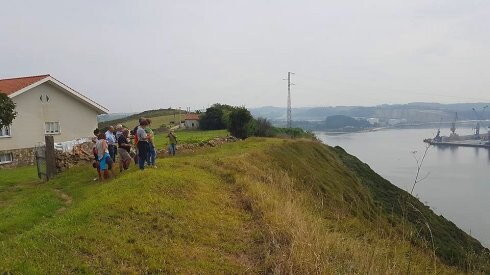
<point>50,158</point>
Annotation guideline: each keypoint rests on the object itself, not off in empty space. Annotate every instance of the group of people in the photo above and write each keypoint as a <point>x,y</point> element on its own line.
<point>137,145</point>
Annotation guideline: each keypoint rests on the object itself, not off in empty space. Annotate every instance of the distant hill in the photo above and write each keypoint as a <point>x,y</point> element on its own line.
<point>417,112</point>
<point>109,117</point>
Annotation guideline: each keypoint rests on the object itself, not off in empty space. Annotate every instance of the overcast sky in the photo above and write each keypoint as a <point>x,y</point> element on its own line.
<point>137,55</point>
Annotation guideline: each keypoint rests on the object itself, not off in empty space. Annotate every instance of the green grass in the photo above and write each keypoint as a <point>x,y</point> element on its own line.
<point>16,175</point>
<point>189,136</point>
<point>156,122</point>
<point>160,119</point>
<point>255,206</point>
<point>24,200</point>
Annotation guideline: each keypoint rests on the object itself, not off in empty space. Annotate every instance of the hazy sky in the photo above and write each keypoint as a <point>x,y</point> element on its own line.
<point>137,55</point>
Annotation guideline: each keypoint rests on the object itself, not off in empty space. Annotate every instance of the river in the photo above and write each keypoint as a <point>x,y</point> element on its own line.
<point>458,181</point>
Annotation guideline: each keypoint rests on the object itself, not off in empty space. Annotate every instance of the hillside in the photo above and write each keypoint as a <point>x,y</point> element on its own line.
<point>257,206</point>
<point>112,116</point>
<point>161,119</point>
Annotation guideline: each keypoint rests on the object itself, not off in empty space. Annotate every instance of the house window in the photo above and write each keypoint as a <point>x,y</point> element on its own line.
<point>5,131</point>
<point>52,128</point>
<point>6,158</point>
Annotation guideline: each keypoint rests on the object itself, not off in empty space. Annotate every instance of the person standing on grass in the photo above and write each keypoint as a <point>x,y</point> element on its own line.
<point>152,154</point>
<point>143,145</point>
<point>124,149</point>
<point>105,161</point>
<point>135,139</point>
<point>119,130</point>
<point>173,142</point>
<point>94,152</point>
<point>111,142</point>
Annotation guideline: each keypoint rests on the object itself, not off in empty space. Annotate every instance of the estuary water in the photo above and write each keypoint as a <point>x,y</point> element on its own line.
<point>458,181</point>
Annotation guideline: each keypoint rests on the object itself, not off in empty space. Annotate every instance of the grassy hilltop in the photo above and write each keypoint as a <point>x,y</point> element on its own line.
<point>256,206</point>
<point>161,119</point>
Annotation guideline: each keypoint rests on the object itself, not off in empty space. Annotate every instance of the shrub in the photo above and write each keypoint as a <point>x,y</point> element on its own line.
<point>241,122</point>
<point>263,128</point>
<point>212,119</point>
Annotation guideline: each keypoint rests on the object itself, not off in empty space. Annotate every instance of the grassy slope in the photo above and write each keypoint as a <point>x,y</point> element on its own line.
<point>189,136</point>
<point>160,118</point>
<point>264,205</point>
<point>452,243</point>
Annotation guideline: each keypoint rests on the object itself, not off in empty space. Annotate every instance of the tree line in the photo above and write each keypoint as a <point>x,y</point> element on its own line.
<point>241,124</point>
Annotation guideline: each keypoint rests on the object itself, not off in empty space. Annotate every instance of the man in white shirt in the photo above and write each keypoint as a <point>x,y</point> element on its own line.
<point>111,142</point>
<point>143,145</point>
<point>119,131</point>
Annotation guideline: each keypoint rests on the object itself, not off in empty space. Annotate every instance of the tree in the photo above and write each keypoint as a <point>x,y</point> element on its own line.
<point>7,110</point>
<point>212,119</point>
<point>341,121</point>
<point>263,128</point>
<point>240,122</point>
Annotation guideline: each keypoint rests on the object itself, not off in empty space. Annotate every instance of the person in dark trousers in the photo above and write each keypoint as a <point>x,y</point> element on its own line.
<point>152,153</point>
<point>172,138</point>
<point>135,139</point>
<point>143,145</point>
<point>111,143</point>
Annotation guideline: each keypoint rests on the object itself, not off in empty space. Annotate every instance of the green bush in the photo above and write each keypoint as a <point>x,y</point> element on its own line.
<point>241,123</point>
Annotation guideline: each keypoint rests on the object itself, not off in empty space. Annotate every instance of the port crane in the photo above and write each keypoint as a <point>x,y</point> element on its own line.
<point>438,135</point>
<point>479,117</point>
<point>453,124</point>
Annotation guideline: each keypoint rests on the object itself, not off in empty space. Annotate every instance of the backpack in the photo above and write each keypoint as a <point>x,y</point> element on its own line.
<point>135,134</point>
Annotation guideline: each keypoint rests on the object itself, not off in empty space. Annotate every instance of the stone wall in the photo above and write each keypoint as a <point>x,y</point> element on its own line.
<point>192,147</point>
<point>27,156</point>
<point>20,157</point>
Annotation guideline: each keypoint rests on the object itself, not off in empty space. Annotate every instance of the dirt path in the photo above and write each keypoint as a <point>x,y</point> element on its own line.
<point>67,200</point>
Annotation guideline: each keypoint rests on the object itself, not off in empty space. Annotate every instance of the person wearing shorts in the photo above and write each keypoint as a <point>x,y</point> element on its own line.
<point>124,149</point>
<point>105,161</point>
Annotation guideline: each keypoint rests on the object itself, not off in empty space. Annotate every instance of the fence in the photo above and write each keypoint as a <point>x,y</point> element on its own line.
<point>46,160</point>
<point>40,161</point>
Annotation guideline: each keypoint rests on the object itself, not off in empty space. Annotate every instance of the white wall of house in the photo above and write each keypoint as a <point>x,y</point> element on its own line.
<point>76,119</point>
<point>191,124</point>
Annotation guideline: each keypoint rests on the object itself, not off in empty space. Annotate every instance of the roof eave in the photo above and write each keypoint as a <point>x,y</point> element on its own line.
<point>99,108</point>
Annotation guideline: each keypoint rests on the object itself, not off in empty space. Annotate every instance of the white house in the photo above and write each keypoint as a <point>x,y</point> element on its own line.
<point>191,121</point>
<point>45,106</point>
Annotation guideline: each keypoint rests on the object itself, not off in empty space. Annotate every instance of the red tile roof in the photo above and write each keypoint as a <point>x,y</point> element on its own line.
<point>191,117</point>
<point>12,85</point>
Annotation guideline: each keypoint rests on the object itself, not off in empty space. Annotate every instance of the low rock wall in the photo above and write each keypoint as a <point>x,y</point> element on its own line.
<point>192,147</point>
<point>83,153</point>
